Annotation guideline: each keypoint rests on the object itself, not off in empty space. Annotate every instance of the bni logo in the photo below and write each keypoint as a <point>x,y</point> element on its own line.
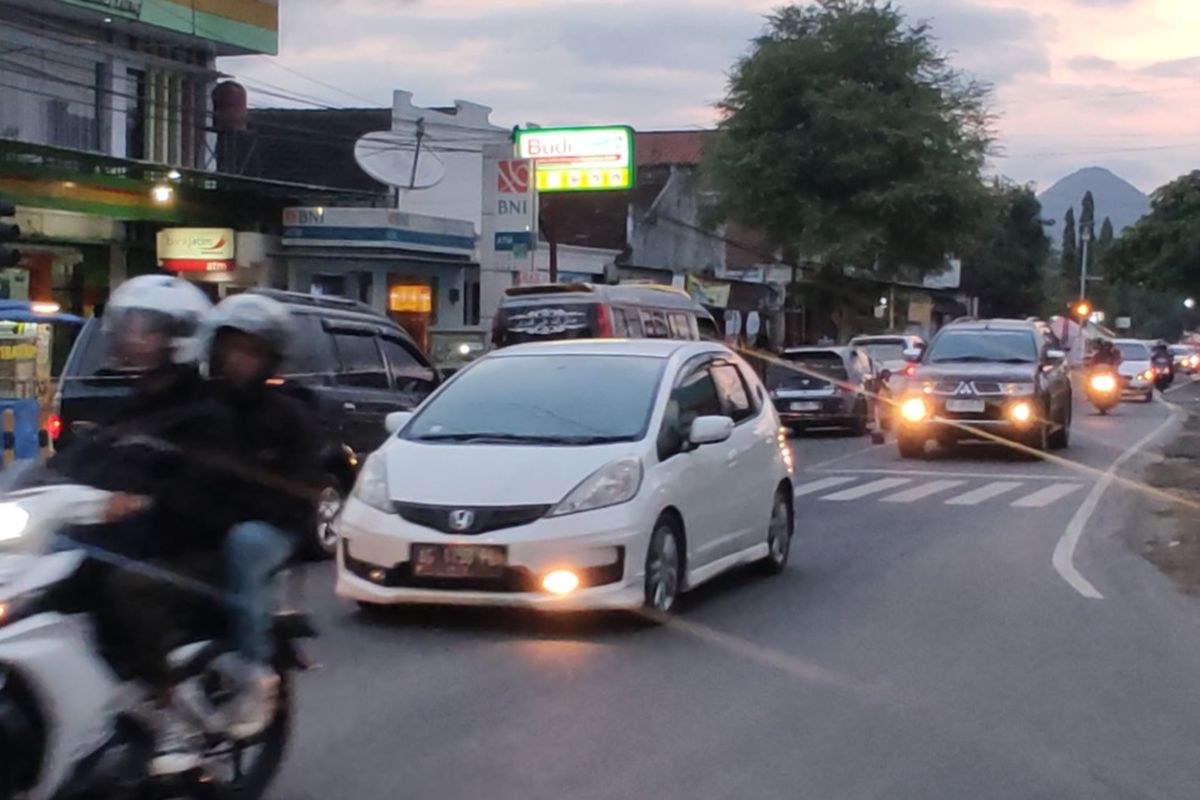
<point>513,177</point>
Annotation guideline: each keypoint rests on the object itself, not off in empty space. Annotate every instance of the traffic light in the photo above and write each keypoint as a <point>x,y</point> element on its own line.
<point>9,232</point>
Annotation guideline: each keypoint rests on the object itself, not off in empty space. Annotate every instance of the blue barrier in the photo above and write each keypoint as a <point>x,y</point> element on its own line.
<point>21,437</point>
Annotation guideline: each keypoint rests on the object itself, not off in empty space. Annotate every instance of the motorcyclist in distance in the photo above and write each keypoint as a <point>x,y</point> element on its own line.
<point>1106,354</point>
<point>274,506</point>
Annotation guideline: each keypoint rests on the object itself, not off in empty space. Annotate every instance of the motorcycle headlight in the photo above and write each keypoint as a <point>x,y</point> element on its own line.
<point>1017,388</point>
<point>610,485</point>
<point>372,484</point>
<point>13,521</point>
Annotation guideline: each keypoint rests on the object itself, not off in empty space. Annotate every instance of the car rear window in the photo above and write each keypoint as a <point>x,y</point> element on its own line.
<point>810,370</point>
<point>539,322</point>
<point>882,350</point>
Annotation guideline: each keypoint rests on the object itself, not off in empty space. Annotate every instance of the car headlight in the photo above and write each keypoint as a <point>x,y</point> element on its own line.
<point>1018,388</point>
<point>13,521</point>
<point>372,484</point>
<point>610,485</point>
<point>914,409</point>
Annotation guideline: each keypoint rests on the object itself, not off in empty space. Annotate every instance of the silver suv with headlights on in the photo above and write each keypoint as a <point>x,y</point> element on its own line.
<point>980,379</point>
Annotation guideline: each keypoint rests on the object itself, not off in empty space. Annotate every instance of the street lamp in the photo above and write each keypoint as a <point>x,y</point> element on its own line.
<point>162,194</point>
<point>1085,236</point>
<point>1189,303</point>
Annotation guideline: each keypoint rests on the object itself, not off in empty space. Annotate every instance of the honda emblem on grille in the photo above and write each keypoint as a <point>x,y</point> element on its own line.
<point>461,519</point>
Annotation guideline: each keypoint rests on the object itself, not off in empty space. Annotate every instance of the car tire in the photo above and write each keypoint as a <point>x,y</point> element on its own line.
<point>330,500</point>
<point>780,530</point>
<point>1061,438</point>
<point>858,425</point>
<point>1148,397</point>
<point>1037,440</point>
<point>910,446</point>
<point>664,567</point>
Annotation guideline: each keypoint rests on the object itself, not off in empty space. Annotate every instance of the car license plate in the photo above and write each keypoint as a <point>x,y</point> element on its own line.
<point>965,406</point>
<point>810,406</point>
<point>458,561</point>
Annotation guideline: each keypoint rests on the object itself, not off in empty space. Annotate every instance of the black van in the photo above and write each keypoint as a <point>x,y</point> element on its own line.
<point>354,363</point>
<point>552,311</point>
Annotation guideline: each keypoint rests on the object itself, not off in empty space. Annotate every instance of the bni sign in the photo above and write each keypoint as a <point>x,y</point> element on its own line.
<point>579,159</point>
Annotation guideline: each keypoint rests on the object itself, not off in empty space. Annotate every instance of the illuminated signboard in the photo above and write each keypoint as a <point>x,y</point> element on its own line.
<point>196,249</point>
<point>579,159</point>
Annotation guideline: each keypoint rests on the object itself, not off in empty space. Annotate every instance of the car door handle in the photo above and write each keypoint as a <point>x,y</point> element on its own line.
<point>348,406</point>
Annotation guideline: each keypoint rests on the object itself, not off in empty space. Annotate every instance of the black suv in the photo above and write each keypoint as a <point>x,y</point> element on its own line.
<point>355,364</point>
<point>1004,377</point>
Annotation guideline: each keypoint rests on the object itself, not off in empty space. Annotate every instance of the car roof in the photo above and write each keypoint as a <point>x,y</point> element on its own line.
<point>1145,342</point>
<point>841,350</point>
<point>647,348</point>
<point>657,295</point>
<point>993,325</point>
<point>883,337</point>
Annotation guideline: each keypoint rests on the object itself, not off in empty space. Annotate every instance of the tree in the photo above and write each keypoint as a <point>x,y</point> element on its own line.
<point>1070,253</point>
<point>1104,241</point>
<point>1004,267</point>
<point>1087,217</point>
<point>1162,250</point>
<point>846,137</point>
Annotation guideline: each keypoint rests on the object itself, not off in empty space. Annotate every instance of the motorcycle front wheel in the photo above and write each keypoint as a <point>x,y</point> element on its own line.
<point>242,770</point>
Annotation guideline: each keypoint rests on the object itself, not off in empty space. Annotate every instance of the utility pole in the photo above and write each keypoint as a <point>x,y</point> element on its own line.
<point>1085,236</point>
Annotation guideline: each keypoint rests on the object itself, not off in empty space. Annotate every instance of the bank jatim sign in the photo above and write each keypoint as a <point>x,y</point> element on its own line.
<point>196,249</point>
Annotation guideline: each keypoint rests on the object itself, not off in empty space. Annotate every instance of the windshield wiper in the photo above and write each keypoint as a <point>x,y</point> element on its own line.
<point>961,359</point>
<point>483,437</point>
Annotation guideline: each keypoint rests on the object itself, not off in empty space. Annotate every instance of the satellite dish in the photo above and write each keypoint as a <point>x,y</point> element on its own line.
<point>388,158</point>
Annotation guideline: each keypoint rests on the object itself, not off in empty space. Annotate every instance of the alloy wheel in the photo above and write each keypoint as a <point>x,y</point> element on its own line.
<point>663,569</point>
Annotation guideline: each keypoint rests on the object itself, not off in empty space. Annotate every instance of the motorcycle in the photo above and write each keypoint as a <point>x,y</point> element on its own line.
<point>1164,376</point>
<point>1103,388</point>
<point>70,725</point>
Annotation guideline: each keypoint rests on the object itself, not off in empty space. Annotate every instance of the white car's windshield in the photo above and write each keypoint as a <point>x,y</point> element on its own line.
<point>1015,347</point>
<point>883,351</point>
<point>569,399</point>
<point>1134,351</point>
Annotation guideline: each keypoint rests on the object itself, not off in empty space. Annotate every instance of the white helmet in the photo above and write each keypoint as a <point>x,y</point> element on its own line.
<point>253,314</point>
<point>159,304</point>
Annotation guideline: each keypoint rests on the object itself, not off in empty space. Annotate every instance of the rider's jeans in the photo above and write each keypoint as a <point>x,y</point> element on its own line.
<point>253,552</point>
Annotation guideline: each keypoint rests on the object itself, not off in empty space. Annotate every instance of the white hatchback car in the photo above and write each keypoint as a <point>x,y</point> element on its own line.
<point>1137,378</point>
<point>573,475</point>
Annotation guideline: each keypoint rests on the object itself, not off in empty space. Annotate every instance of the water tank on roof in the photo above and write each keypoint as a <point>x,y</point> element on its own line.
<point>230,108</point>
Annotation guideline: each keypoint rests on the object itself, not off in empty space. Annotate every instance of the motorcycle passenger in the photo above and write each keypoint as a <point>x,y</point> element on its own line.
<point>274,442</point>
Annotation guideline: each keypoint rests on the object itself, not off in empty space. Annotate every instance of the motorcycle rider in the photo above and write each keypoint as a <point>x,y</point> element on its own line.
<point>273,435</point>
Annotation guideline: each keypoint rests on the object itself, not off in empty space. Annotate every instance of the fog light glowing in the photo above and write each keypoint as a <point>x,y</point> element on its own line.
<point>560,582</point>
<point>913,409</point>
<point>1021,412</point>
<point>1104,383</point>
<point>377,575</point>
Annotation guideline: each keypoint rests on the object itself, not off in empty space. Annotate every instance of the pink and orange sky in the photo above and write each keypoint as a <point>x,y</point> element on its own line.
<point>1114,83</point>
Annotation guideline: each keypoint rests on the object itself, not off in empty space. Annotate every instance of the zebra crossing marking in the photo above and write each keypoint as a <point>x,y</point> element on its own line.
<point>822,484</point>
<point>1044,497</point>
<point>921,492</point>
<point>872,487</point>
<point>985,492</point>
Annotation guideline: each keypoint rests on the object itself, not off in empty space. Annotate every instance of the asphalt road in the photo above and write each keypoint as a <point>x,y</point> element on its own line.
<point>923,645</point>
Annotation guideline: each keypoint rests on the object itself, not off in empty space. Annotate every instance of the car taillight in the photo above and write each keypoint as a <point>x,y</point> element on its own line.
<point>54,425</point>
<point>603,326</point>
<point>910,370</point>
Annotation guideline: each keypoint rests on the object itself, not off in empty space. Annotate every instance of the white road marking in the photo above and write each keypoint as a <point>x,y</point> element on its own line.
<point>985,492</point>
<point>1064,552</point>
<point>920,492</point>
<point>944,474</point>
<point>823,483</point>
<point>874,487</point>
<point>1044,497</point>
<point>839,459</point>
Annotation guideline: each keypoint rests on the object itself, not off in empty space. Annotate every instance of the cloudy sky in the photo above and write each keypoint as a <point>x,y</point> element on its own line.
<point>1114,83</point>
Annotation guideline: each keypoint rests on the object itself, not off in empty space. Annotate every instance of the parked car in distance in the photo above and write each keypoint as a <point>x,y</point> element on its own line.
<point>555,311</point>
<point>823,387</point>
<point>529,481</point>
<point>1137,376</point>
<point>886,352</point>
<point>354,364</point>
<point>983,378</point>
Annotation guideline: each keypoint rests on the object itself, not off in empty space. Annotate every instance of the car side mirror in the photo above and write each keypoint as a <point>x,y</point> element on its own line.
<point>396,420</point>
<point>913,354</point>
<point>710,430</point>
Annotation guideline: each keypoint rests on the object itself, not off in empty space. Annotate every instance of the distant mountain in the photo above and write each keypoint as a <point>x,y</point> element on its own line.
<point>1117,199</point>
